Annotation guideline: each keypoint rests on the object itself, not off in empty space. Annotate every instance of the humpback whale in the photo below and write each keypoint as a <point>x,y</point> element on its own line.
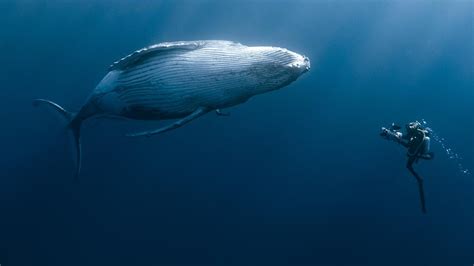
<point>183,80</point>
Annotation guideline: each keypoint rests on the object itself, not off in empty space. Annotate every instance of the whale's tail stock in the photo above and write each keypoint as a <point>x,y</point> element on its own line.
<point>73,126</point>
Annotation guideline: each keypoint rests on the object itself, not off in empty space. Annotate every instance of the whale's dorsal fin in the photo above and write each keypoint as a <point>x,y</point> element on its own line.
<point>143,53</point>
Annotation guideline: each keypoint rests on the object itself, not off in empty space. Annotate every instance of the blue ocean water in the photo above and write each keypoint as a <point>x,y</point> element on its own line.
<point>297,176</point>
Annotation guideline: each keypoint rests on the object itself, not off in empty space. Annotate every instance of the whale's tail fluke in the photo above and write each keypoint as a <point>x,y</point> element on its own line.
<point>73,126</point>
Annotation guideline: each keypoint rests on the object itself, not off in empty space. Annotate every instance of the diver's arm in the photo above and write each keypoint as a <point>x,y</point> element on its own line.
<point>402,139</point>
<point>392,135</point>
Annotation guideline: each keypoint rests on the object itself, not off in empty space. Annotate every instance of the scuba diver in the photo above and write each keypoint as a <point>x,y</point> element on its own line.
<point>417,141</point>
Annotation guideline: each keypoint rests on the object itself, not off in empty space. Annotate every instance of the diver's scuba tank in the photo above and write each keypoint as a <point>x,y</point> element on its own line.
<point>427,147</point>
<point>423,148</point>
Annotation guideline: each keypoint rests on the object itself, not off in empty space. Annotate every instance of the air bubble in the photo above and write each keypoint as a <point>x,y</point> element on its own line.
<point>449,152</point>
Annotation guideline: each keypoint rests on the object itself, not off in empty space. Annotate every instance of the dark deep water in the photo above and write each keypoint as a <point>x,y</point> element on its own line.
<point>298,176</point>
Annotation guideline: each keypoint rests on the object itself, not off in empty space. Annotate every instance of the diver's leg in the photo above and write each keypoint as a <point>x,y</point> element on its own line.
<point>410,162</point>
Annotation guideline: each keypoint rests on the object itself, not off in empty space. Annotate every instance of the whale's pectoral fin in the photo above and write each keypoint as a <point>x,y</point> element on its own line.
<point>220,113</point>
<point>199,112</point>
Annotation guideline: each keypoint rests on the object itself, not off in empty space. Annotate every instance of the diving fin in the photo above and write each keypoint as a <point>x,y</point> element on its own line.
<point>422,196</point>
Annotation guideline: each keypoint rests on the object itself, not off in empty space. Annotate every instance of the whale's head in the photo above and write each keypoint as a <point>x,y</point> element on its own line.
<point>300,64</point>
<point>277,67</point>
